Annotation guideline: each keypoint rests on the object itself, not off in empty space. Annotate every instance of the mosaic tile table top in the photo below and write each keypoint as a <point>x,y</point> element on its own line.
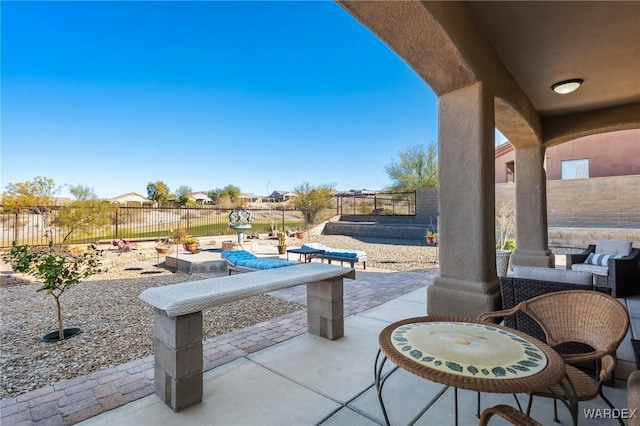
<point>469,349</point>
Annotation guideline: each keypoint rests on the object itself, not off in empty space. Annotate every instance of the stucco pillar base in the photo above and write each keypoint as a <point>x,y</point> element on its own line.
<point>449,296</point>
<point>543,258</point>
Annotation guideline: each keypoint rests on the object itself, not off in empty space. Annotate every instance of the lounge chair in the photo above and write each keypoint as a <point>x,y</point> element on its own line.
<point>329,253</point>
<point>243,261</point>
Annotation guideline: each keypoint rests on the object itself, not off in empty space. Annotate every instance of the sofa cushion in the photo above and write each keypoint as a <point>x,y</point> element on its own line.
<point>552,274</point>
<point>594,269</point>
<point>614,247</point>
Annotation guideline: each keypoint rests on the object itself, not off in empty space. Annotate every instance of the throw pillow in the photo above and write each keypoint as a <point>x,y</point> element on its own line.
<point>600,259</point>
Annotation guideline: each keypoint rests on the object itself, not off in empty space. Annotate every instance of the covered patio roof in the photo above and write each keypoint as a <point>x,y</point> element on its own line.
<point>529,46</point>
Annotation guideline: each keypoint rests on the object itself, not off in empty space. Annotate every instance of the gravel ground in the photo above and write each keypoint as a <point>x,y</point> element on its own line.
<point>118,327</point>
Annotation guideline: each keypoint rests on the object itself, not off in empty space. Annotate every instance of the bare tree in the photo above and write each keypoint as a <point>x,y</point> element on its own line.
<point>505,225</point>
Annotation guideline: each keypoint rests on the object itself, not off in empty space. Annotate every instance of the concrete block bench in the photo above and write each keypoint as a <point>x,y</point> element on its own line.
<point>178,356</point>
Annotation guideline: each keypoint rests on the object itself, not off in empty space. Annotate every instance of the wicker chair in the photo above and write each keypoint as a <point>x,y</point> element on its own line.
<point>517,417</point>
<point>588,317</point>
<point>508,413</point>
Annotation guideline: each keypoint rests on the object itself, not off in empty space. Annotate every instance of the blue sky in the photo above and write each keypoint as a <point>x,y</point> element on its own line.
<point>261,95</point>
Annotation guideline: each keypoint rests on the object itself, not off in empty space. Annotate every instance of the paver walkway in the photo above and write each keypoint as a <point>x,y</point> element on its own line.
<point>72,401</point>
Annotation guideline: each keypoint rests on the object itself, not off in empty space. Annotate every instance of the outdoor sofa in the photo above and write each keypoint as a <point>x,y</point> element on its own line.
<point>614,264</point>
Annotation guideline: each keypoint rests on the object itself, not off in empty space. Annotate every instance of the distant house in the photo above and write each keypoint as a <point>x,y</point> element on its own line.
<point>599,155</point>
<point>132,199</point>
<point>61,201</point>
<point>250,198</point>
<point>201,198</point>
<point>362,192</point>
<point>279,196</point>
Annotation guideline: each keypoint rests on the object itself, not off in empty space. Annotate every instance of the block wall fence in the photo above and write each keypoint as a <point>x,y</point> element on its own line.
<point>580,212</point>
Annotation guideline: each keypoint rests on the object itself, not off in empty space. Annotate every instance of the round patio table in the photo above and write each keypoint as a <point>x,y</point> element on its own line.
<point>469,354</point>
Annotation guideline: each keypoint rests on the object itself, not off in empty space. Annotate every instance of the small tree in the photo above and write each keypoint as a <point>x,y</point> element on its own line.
<point>159,192</point>
<point>37,194</point>
<point>312,200</point>
<point>416,168</point>
<point>227,197</point>
<point>232,191</point>
<point>214,194</point>
<point>56,272</point>
<point>85,213</point>
<point>183,193</point>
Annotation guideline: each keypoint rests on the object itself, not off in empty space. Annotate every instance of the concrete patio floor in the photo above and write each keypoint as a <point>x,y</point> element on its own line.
<point>307,380</point>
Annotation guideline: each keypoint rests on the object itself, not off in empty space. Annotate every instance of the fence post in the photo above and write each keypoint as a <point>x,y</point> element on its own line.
<point>15,228</point>
<point>116,224</point>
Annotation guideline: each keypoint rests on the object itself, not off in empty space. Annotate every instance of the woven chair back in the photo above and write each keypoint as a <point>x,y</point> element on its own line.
<point>588,317</point>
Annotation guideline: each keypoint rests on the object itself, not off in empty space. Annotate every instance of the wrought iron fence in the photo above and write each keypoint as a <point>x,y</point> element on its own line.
<point>377,203</point>
<point>38,226</point>
<point>32,226</point>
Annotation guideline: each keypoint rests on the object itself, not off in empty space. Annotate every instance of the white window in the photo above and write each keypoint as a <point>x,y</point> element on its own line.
<point>575,169</point>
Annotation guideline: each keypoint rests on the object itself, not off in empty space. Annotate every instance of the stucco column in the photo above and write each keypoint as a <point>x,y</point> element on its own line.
<point>467,284</point>
<point>532,239</point>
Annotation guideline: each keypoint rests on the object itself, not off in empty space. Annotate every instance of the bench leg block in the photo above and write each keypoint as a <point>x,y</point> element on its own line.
<point>178,361</point>
<point>325,308</point>
<point>178,393</point>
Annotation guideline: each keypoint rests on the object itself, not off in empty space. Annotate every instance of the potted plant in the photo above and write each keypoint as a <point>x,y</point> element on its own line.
<point>503,254</point>
<point>282,242</point>
<point>162,249</point>
<point>57,272</point>
<point>300,234</point>
<point>190,244</point>
<point>432,237</point>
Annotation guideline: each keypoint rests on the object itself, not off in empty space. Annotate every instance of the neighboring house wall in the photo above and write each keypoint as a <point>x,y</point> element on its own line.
<point>505,158</point>
<point>609,154</point>
<point>606,154</point>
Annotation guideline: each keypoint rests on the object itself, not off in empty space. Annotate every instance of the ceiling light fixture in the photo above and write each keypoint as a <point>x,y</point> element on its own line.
<point>567,86</point>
